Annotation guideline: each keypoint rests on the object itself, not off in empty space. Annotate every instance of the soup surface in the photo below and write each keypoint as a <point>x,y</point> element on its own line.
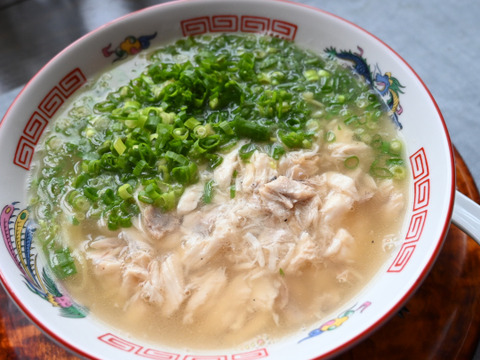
<point>220,190</point>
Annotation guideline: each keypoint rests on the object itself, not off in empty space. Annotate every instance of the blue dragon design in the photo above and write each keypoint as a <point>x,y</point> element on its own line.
<point>384,84</point>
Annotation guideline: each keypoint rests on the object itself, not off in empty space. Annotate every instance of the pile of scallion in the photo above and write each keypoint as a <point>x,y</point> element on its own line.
<point>146,141</point>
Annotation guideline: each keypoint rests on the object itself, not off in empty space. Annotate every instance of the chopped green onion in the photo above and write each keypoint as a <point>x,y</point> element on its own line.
<point>94,167</point>
<point>385,147</point>
<point>246,151</point>
<point>395,147</point>
<point>149,138</point>
<point>108,161</point>
<point>395,161</point>
<point>210,142</point>
<point>351,162</point>
<point>80,180</point>
<point>125,191</point>
<point>276,151</point>
<point>330,136</point>
<point>139,167</point>
<point>108,197</point>
<point>124,221</point>
<point>380,172</point>
<point>119,146</point>
<point>313,125</point>
<point>143,197</point>
<point>351,120</point>
<point>177,158</point>
<point>167,118</point>
<point>233,188</point>
<point>200,131</point>
<point>163,172</point>
<point>80,203</point>
<point>398,172</point>
<point>214,160</point>
<point>233,191</point>
<point>292,139</point>
<point>186,174</point>
<point>208,192</point>
<point>180,133</point>
<point>90,193</point>
<point>252,130</point>
<point>225,126</point>
<point>311,75</point>
<point>191,123</point>
<point>74,220</point>
<point>324,73</point>
<point>214,103</point>
<point>61,262</point>
<point>166,201</point>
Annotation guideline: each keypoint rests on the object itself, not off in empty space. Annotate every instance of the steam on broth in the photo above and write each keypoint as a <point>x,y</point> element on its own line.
<point>221,189</point>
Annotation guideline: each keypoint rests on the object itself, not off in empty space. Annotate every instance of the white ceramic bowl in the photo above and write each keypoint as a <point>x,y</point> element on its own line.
<point>428,146</point>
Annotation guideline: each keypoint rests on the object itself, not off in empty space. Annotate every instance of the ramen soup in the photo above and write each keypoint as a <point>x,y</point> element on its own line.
<point>219,190</point>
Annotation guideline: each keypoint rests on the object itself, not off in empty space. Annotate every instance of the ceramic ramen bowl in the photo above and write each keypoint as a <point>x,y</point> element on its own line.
<point>429,156</point>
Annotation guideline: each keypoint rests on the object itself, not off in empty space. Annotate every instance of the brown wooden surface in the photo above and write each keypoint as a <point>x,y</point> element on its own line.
<point>441,321</point>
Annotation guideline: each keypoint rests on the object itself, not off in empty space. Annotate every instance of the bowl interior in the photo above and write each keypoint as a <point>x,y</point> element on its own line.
<point>428,152</point>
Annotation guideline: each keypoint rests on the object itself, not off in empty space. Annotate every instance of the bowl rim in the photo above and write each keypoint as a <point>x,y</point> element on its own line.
<point>351,341</point>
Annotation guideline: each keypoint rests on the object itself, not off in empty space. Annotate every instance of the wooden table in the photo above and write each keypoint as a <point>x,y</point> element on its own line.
<point>440,321</point>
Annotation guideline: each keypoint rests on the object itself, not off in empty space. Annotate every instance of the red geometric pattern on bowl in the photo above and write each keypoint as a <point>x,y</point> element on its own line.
<point>415,229</point>
<point>419,165</point>
<point>46,109</point>
<point>421,199</point>
<point>35,126</point>
<point>205,357</point>
<point>233,23</point>
<point>52,102</point>
<point>224,23</point>
<point>156,354</point>
<point>255,24</point>
<point>421,194</point>
<point>24,153</point>
<point>403,257</point>
<point>252,355</point>
<point>129,347</point>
